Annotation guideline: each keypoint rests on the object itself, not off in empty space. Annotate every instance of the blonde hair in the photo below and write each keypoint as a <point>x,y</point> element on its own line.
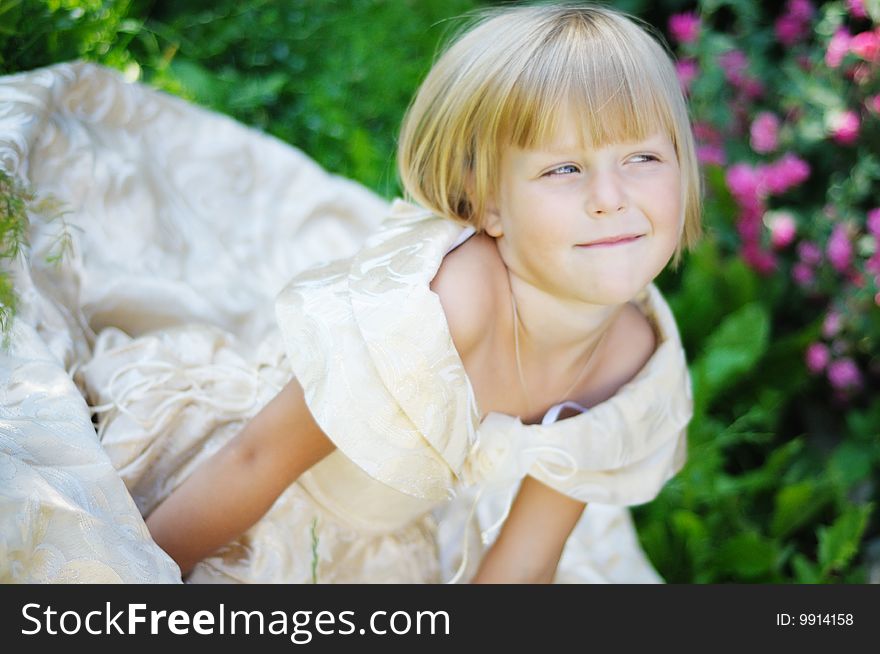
<point>504,82</point>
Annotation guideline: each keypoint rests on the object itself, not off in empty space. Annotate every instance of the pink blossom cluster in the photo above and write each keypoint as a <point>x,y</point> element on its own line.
<point>710,144</point>
<point>857,8</point>
<point>842,371</point>
<point>735,66</point>
<point>794,24</point>
<point>687,71</point>
<point>844,127</point>
<point>764,132</point>
<point>684,28</point>
<point>750,187</point>
<point>864,45</point>
<point>783,229</point>
<point>809,256</point>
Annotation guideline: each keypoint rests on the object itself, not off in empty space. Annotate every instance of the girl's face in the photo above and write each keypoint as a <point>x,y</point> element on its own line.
<point>556,200</point>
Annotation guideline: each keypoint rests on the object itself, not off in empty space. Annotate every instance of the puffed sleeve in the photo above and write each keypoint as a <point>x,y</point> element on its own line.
<point>344,391</point>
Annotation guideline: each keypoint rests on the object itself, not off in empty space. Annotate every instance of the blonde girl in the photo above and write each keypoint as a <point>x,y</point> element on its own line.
<point>502,328</point>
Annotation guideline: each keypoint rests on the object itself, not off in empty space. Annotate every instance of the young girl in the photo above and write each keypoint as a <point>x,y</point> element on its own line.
<point>500,331</point>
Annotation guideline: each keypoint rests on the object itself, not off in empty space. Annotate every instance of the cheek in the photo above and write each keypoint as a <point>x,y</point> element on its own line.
<point>668,203</point>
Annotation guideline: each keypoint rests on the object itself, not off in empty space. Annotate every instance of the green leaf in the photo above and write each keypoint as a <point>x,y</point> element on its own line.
<point>805,571</point>
<point>850,463</point>
<point>730,351</point>
<point>840,542</point>
<point>691,530</point>
<point>865,424</point>
<point>747,555</point>
<point>200,82</point>
<point>795,505</point>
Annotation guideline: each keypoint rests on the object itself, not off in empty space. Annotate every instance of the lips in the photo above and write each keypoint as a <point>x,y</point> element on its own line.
<point>613,240</point>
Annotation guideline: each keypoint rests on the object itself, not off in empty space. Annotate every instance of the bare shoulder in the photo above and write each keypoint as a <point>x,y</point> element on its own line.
<point>634,343</point>
<point>464,283</point>
<point>631,344</point>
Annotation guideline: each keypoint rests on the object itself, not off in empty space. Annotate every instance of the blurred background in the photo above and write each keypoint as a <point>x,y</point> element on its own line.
<point>779,306</point>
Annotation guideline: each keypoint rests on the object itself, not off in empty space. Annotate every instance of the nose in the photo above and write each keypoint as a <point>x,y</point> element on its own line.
<point>606,194</point>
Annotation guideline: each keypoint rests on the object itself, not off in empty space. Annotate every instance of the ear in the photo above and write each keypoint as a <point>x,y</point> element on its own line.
<point>492,221</point>
<point>491,218</point>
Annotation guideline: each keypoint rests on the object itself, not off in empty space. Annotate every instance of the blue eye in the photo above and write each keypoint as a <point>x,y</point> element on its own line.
<point>556,171</point>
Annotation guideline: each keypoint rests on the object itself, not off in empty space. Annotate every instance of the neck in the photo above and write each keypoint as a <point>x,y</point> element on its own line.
<point>558,332</point>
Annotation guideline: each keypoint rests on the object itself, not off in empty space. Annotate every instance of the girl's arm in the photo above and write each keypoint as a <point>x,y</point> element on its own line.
<point>530,543</point>
<point>235,487</point>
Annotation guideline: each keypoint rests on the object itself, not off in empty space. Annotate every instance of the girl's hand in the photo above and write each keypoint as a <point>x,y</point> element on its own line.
<point>531,541</point>
<point>233,489</point>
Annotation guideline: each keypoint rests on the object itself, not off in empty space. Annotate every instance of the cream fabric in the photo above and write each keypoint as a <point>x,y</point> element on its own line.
<point>187,226</point>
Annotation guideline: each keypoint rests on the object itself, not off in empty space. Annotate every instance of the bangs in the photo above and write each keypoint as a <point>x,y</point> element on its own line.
<point>609,90</point>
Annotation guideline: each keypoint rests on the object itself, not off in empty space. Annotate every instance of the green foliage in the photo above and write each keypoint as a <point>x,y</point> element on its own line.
<point>14,201</point>
<point>36,33</point>
<point>17,203</point>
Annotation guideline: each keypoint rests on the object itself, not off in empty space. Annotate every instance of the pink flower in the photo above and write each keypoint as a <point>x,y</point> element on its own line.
<point>752,88</point>
<point>734,63</point>
<point>765,132</point>
<point>802,10</point>
<point>831,324</point>
<point>802,274</point>
<point>794,24</point>
<point>706,133</point>
<point>684,28</point>
<point>817,357</point>
<point>866,45</point>
<point>784,174</point>
<point>687,71</point>
<point>789,30</point>
<point>838,46</point>
<point>873,222</point>
<point>809,253</point>
<point>711,154</point>
<point>845,127</point>
<point>839,249</point>
<point>748,228</point>
<point>762,261</point>
<point>872,103</point>
<point>872,265</point>
<point>857,8</point>
<point>844,374</point>
<point>782,230</point>
<point>744,183</point>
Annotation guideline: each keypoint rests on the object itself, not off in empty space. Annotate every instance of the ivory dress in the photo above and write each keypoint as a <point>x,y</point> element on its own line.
<point>368,341</point>
<point>173,350</point>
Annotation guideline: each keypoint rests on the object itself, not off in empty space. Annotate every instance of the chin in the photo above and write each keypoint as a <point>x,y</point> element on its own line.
<point>616,293</point>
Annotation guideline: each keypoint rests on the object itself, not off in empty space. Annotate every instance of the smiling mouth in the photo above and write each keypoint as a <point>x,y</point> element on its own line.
<point>610,243</point>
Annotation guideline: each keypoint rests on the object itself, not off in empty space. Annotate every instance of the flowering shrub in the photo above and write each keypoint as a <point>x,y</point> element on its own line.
<point>780,303</point>
<point>798,142</point>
